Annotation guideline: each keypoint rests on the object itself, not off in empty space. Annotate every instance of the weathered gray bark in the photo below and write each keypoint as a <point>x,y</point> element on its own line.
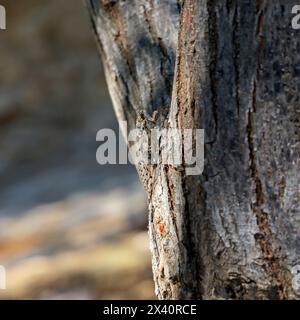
<point>232,68</point>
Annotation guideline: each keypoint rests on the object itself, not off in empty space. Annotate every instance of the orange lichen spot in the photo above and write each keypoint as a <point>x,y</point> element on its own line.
<point>161,228</point>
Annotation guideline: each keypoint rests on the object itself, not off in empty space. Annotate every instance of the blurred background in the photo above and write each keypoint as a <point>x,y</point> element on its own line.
<point>69,228</point>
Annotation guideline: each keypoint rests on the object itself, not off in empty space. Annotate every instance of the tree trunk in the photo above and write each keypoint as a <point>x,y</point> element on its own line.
<point>232,68</point>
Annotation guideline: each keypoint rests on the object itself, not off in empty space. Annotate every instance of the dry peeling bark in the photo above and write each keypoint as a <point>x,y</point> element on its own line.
<point>232,68</point>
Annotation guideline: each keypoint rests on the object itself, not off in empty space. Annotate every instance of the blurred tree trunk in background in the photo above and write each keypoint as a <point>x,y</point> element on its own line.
<point>233,69</point>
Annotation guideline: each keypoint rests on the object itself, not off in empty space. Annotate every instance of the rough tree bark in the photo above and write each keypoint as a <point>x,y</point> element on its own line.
<point>232,68</point>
